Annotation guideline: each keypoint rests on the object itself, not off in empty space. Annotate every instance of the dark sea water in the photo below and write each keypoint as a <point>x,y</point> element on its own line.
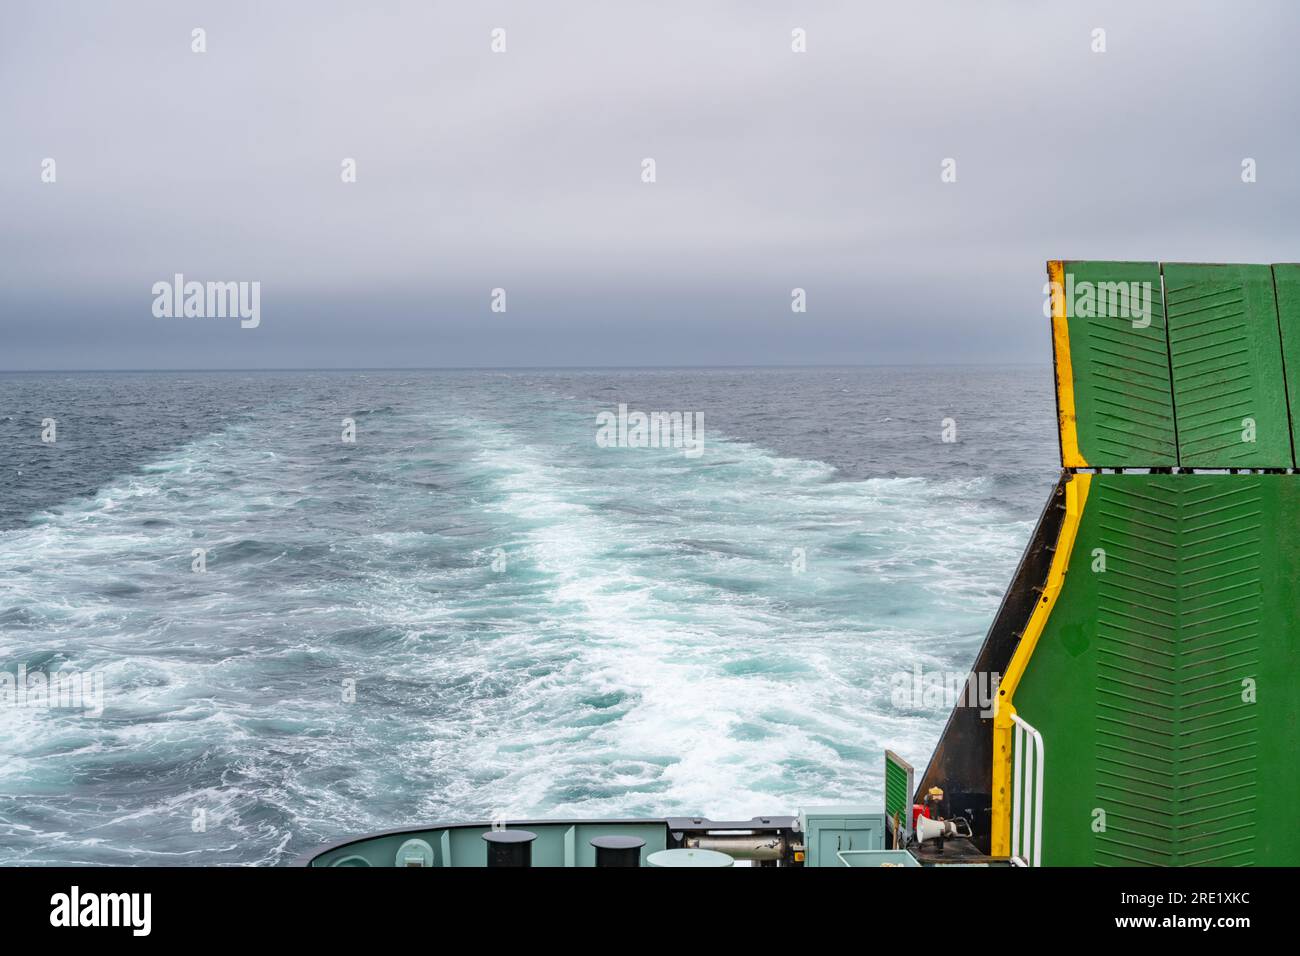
<point>643,645</point>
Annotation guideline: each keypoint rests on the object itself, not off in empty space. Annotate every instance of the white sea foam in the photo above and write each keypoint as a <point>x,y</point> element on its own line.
<point>647,649</point>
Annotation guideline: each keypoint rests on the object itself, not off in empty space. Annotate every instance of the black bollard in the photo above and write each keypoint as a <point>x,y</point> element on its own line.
<point>618,850</point>
<point>509,847</point>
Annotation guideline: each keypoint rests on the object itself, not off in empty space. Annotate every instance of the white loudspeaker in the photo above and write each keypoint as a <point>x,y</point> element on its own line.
<point>927,829</point>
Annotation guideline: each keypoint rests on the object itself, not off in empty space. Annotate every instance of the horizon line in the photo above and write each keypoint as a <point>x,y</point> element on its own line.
<point>520,368</point>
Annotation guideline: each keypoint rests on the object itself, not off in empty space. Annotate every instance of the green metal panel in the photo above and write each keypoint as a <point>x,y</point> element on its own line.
<point>1166,684</point>
<point>898,788</point>
<point>1286,287</point>
<point>1120,362</point>
<point>1227,367</point>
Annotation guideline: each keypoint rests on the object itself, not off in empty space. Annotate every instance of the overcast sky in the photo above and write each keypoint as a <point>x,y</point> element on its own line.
<point>522,170</point>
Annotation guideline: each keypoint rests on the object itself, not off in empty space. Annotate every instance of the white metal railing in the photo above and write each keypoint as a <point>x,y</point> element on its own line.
<point>1027,803</point>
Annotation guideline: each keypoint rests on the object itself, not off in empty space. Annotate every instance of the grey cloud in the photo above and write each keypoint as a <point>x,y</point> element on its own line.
<point>775,170</point>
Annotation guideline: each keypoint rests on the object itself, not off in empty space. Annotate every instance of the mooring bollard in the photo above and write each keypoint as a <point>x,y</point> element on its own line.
<point>618,850</point>
<point>509,847</point>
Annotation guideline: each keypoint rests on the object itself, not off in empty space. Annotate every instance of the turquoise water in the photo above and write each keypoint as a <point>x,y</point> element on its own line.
<point>530,624</point>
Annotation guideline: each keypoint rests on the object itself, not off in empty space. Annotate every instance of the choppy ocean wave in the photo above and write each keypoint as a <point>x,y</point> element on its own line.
<point>530,624</point>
